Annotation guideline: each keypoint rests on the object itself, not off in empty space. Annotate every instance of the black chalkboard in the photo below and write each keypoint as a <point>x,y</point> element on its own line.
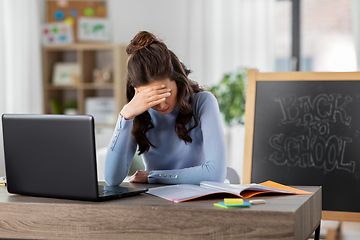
<point>308,133</point>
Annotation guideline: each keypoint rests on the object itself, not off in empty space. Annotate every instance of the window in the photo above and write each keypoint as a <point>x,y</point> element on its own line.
<point>319,32</point>
<point>283,20</point>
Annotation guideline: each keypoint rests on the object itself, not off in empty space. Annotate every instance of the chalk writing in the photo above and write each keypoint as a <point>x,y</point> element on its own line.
<point>303,111</point>
<point>316,146</point>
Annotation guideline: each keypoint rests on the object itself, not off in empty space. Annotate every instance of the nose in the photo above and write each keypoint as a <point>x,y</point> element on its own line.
<point>162,105</point>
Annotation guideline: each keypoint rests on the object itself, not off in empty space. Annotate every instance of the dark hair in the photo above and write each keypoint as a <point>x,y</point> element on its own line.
<point>151,60</point>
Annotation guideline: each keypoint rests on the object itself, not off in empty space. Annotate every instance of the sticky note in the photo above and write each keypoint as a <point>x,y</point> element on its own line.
<point>233,201</point>
<point>223,205</point>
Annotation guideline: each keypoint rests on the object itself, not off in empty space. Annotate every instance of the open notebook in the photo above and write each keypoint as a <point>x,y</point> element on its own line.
<point>184,192</point>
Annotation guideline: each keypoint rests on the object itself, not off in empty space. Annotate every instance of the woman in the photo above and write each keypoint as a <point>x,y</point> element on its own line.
<point>173,122</point>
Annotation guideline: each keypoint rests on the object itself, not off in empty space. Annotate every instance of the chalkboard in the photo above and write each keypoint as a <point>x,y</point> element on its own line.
<point>304,129</point>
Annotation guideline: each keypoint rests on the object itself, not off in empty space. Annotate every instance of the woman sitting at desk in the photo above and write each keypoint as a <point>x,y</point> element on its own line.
<point>175,124</point>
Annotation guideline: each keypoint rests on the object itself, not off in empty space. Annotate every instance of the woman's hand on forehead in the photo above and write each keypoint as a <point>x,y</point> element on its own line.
<point>150,87</point>
<point>155,85</point>
<point>145,97</point>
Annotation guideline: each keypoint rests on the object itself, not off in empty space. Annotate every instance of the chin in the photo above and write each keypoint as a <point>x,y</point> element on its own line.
<point>166,111</point>
<point>163,113</point>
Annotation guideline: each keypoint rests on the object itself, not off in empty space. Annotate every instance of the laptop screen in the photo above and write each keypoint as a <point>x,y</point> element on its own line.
<point>50,155</point>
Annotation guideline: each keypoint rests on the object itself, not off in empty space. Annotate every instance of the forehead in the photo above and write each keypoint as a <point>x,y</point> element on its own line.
<point>167,82</point>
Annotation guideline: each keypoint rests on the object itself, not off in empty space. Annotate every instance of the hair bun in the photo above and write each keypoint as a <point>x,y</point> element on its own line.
<point>141,40</point>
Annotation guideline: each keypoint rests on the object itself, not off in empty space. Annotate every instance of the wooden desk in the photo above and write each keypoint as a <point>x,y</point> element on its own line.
<point>149,217</point>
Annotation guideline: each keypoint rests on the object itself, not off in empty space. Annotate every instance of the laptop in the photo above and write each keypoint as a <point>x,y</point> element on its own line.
<point>50,155</point>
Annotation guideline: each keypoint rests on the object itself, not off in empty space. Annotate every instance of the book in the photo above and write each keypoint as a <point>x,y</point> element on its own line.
<point>184,192</point>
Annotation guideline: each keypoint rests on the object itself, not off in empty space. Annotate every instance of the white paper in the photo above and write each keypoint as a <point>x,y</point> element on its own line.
<point>93,29</point>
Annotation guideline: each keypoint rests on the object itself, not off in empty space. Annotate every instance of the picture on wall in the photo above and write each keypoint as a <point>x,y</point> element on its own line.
<point>69,12</point>
<point>93,29</point>
<point>66,74</point>
<point>57,34</point>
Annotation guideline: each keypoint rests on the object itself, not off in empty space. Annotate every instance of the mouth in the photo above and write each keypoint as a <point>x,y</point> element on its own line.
<point>164,110</point>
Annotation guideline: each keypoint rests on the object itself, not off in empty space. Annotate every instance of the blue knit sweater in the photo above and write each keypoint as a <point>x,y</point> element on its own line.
<point>173,161</point>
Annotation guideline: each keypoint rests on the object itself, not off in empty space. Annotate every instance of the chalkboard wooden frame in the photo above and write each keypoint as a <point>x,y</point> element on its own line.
<point>254,76</point>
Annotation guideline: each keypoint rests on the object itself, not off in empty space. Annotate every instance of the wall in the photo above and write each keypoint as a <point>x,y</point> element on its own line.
<point>20,60</point>
<point>166,19</point>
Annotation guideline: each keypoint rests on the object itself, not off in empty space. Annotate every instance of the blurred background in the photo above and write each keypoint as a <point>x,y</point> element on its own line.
<point>214,38</point>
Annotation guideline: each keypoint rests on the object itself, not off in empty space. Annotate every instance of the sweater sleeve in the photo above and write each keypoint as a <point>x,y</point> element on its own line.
<point>214,169</point>
<point>120,152</point>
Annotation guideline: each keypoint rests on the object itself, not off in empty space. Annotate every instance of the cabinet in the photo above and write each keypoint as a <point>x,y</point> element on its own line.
<point>88,57</point>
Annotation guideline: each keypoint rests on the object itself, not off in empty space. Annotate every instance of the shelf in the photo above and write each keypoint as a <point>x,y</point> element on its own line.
<point>97,86</point>
<point>86,86</point>
<point>89,56</point>
<point>81,46</point>
<point>54,87</point>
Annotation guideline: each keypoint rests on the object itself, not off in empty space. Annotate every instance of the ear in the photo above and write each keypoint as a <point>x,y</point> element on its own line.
<point>136,90</point>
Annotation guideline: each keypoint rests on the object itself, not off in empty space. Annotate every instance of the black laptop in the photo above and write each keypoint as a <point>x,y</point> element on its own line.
<point>49,155</point>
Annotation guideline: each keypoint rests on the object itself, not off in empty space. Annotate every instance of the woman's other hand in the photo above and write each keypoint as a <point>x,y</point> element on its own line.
<point>140,176</point>
<point>147,97</point>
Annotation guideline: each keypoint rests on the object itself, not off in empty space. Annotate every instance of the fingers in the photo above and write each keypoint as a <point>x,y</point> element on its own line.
<point>156,94</point>
<point>161,95</point>
<point>146,97</point>
<point>132,179</point>
<point>140,176</point>
<point>154,103</point>
<point>149,89</point>
<point>156,87</point>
